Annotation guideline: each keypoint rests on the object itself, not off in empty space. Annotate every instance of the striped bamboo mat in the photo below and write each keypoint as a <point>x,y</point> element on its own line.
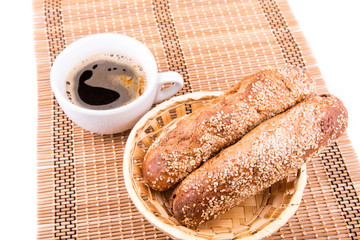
<point>81,192</point>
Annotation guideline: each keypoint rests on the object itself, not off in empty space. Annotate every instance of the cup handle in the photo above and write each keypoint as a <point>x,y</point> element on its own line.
<point>168,77</point>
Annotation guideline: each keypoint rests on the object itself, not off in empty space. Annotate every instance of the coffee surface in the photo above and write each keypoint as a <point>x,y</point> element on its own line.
<point>105,81</point>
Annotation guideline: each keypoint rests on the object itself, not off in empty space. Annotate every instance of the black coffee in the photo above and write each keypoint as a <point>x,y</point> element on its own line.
<point>105,81</point>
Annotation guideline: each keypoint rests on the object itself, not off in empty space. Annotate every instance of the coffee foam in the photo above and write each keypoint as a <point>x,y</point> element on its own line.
<point>105,81</point>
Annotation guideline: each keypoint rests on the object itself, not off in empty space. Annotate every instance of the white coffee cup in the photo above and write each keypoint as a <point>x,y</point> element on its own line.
<point>117,119</point>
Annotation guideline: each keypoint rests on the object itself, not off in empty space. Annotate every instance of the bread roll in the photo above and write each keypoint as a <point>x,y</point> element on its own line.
<point>193,139</point>
<point>267,154</point>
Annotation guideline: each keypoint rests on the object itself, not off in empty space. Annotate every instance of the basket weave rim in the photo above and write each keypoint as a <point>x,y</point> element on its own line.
<point>174,231</point>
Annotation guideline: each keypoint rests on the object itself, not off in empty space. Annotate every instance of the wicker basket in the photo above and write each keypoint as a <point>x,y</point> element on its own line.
<point>256,218</point>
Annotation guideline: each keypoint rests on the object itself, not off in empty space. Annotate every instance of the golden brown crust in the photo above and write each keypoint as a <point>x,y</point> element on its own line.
<point>195,138</point>
<point>267,154</point>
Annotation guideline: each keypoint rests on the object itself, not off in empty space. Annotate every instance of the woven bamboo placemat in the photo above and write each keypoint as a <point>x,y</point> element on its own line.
<point>81,193</point>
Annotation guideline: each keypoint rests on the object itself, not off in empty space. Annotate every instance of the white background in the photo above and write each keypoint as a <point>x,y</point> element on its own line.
<point>331,27</point>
